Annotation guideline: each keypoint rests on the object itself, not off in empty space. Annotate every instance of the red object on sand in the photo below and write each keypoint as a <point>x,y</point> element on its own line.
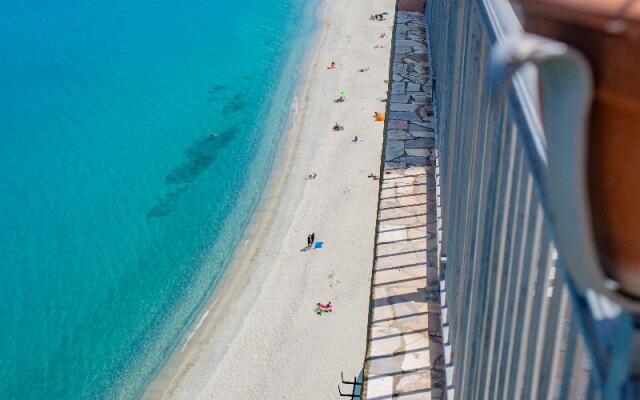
<point>325,306</point>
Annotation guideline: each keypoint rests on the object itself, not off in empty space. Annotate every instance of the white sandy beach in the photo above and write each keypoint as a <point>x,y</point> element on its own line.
<point>260,338</point>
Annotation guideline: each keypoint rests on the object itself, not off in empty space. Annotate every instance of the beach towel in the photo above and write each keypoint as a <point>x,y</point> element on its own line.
<point>318,245</point>
<point>321,311</point>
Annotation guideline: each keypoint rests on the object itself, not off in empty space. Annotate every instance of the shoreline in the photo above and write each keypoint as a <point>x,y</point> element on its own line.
<point>210,338</point>
<point>229,288</point>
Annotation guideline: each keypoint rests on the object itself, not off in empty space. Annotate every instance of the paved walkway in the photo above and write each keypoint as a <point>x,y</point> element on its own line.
<point>404,349</point>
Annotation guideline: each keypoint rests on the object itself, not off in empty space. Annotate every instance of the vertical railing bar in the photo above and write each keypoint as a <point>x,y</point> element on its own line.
<point>499,132</point>
<point>468,285</point>
<point>539,251</point>
<point>507,300</point>
<point>495,266</point>
<point>482,125</point>
<point>568,359</point>
<point>475,234</point>
<point>454,105</point>
<point>517,161</point>
<point>457,153</point>
<point>452,205</point>
<point>539,321</point>
<point>529,384</point>
<point>512,162</point>
<point>553,353</point>
<point>519,288</point>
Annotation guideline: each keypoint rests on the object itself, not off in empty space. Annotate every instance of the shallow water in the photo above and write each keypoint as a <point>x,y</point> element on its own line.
<point>135,140</point>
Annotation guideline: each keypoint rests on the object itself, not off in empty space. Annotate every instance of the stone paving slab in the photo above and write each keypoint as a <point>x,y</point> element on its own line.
<point>406,233</point>
<point>400,352</point>
<point>400,261</point>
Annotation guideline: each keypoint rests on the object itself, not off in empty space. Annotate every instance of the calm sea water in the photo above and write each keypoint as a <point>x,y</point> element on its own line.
<point>135,139</point>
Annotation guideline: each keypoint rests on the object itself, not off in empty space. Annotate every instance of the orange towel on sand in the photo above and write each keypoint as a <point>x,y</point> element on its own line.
<point>379,117</point>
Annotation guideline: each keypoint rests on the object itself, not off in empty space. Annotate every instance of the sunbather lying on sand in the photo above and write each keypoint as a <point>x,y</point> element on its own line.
<point>323,308</point>
<point>327,306</point>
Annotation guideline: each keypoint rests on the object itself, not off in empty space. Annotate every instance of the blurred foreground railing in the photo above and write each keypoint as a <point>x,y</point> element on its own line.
<point>511,329</point>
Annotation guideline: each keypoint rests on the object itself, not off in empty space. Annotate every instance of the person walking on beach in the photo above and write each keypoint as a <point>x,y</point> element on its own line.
<point>309,241</point>
<point>313,237</point>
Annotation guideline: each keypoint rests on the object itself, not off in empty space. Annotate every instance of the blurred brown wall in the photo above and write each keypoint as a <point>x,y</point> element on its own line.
<point>411,5</point>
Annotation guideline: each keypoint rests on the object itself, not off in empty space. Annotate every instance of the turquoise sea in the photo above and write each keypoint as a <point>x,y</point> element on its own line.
<point>135,140</point>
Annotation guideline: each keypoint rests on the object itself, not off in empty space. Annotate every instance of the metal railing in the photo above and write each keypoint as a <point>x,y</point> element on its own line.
<point>509,324</point>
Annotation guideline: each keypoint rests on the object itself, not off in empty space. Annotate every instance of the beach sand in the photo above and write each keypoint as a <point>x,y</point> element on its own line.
<point>259,337</point>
